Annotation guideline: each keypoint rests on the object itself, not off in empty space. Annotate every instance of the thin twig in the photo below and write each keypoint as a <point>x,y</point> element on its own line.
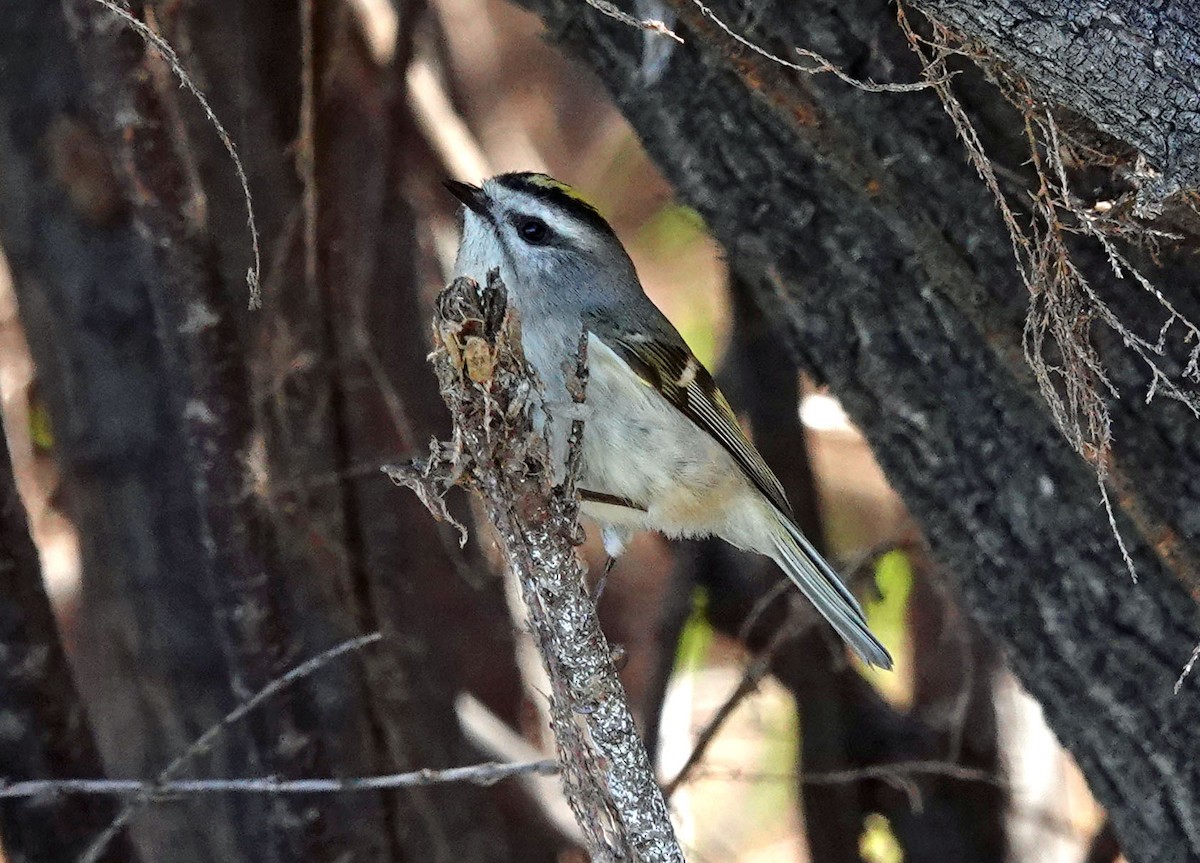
<point>751,677</point>
<point>1116,532</point>
<point>898,775</point>
<point>886,772</point>
<point>204,742</point>
<point>781,587</point>
<point>488,773</point>
<point>1187,669</point>
<point>254,274</point>
<point>649,25</point>
<point>823,64</point>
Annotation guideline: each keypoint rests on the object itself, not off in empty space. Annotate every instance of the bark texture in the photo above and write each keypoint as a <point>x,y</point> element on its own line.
<point>492,393</point>
<point>83,279</point>
<point>1129,67</point>
<point>856,222</point>
<point>222,466</point>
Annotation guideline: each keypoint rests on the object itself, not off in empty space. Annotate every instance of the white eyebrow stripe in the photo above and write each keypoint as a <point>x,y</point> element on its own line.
<point>560,221</point>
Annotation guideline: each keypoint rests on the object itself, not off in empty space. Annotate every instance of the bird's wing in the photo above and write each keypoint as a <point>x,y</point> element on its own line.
<point>663,361</point>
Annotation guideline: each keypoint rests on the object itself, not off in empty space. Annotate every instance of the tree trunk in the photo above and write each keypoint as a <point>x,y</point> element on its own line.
<point>861,229</point>
<point>46,731</point>
<point>83,278</point>
<point>223,466</point>
<point>1128,67</point>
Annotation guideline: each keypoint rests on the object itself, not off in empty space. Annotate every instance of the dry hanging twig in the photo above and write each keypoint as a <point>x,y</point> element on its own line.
<point>822,64</point>
<point>495,450</point>
<point>254,274</point>
<point>1063,304</point>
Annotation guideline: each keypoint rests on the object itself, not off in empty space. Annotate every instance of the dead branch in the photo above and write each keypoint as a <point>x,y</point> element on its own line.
<point>496,451</point>
<point>648,25</point>
<point>485,774</point>
<point>899,775</point>
<point>822,64</point>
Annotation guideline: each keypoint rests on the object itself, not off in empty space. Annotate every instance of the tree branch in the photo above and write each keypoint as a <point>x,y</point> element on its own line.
<point>487,773</point>
<point>1128,67</point>
<point>752,676</point>
<point>489,389</point>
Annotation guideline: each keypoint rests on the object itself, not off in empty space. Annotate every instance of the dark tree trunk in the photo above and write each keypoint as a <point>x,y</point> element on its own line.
<point>46,732</point>
<point>1127,66</point>
<point>84,279</point>
<point>858,224</point>
<point>443,607</point>
<point>222,466</point>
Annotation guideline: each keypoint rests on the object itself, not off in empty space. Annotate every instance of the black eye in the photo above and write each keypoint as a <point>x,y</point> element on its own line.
<point>533,231</point>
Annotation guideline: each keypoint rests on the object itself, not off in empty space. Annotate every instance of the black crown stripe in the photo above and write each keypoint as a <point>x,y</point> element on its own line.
<point>557,195</point>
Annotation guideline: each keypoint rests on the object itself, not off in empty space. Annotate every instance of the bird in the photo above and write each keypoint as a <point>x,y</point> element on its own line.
<point>662,449</point>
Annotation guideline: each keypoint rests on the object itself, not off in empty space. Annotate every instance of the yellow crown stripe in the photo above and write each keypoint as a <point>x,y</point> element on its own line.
<point>546,182</point>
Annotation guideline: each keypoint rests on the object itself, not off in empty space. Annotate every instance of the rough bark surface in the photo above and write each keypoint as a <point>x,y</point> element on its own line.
<point>83,278</point>
<point>491,392</point>
<point>213,458</point>
<point>857,223</point>
<point>1132,68</point>
<point>383,403</point>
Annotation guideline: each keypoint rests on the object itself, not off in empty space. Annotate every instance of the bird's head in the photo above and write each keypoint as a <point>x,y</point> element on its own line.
<point>551,246</point>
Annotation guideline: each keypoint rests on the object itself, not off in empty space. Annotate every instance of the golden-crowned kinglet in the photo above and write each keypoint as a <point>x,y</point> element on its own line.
<point>662,449</point>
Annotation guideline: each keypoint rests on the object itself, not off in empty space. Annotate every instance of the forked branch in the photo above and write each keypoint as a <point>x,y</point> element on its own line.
<point>497,452</point>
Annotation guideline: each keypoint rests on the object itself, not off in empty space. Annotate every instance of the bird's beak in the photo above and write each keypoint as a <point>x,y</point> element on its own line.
<point>471,196</point>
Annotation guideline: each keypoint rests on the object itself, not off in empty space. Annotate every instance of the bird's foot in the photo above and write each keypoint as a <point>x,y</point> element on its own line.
<point>609,563</point>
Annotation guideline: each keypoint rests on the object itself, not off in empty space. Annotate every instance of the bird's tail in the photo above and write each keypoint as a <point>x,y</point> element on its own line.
<point>803,565</point>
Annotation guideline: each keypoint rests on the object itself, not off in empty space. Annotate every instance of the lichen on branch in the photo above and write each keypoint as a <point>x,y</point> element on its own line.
<point>497,452</point>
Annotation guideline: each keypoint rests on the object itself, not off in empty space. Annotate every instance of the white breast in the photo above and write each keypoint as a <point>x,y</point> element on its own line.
<point>640,447</point>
